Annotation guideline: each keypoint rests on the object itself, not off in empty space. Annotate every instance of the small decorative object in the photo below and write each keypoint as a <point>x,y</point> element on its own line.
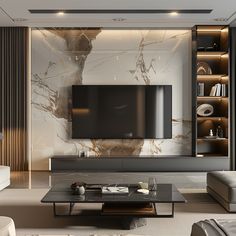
<point>210,137</point>
<point>201,49</point>
<point>143,185</point>
<point>82,154</point>
<point>152,184</point>
<point>78,188</point>
<point>215,47</point>
<point>219,132</point>
<point>203,68</point>
<point>205,110</point>
<point>211,133</point>
<point>143,191</point>
<point>209,49</point>
<point>200,89</point>
<point>81,190</point>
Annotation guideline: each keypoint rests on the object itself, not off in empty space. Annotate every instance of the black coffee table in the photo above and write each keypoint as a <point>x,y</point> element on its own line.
<point>166,193</point>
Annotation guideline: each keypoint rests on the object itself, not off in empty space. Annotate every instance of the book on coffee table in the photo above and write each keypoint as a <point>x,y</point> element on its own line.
<point>115,190</point>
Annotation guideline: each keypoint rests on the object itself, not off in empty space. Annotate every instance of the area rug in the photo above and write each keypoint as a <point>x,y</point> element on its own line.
<point>32,218</point>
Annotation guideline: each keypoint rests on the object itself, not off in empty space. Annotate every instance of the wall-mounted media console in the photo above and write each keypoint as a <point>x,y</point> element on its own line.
<point>121,111</point>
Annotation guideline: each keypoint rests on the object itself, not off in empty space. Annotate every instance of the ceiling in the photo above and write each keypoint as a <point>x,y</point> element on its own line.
<point>15,13</point>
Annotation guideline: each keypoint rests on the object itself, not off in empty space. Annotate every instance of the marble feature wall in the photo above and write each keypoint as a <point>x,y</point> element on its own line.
<point>65,57</point>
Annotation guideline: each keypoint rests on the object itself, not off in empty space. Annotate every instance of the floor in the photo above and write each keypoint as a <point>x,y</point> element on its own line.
<point>34,180</point>
<point>21,201</point>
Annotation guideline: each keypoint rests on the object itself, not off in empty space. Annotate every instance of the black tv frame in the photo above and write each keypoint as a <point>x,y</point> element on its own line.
<point>167,111</point>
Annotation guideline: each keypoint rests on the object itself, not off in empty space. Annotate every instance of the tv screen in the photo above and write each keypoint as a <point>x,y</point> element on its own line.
<point>121,111</point>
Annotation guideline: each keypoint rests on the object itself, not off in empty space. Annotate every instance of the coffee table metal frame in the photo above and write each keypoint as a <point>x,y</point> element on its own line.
<point>71,204</point>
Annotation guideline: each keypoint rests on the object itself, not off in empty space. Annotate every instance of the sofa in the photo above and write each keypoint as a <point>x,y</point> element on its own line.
<point>4,177</point>
<point>213,227</point>
<point>221,185</point>
<point>7,226</point>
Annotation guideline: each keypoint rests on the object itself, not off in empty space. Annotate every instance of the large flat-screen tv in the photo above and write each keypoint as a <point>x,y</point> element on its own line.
<point>121,111</point>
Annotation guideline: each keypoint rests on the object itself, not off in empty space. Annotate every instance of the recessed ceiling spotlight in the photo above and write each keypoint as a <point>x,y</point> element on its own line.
<point>19,19</point>
<point>174,13</point>
<point>120,19</point>
<point>221,19</point>
<point>61,13</point>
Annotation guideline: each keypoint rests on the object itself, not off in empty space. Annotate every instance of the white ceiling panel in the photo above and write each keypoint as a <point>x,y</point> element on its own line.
<point>5,20</point>
<point>18,11</point>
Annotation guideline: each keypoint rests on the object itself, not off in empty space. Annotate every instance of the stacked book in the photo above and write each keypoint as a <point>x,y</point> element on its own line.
<point>115,190</point>
<point>219,90</point>
<point>200,89</point>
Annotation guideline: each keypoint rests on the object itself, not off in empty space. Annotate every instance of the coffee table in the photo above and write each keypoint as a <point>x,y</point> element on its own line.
<point>166,193</point>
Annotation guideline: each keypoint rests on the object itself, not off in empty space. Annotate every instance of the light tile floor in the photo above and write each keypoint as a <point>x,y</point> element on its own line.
<point>36,179</point>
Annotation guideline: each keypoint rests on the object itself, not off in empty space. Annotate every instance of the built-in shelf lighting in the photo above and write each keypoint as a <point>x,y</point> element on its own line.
<point>225,55</point>
<point>211,118</point>
<point>213,98</point>
<point>212,29</point>
<point>209,30</point>
<point>212,77</point>
<point>213,54</point>
<point>81,111</point>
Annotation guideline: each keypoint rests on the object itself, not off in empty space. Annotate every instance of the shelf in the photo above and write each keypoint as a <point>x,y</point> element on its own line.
<point>212,97</point>
<point>199,155</point>
<point>213,139</point>
<point>212,118</point>
<point>216,76</point>
<point>211,54</point>
<point>211,28</point>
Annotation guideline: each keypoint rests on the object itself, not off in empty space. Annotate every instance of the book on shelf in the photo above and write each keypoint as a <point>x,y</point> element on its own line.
<point>200,89</point>
<point>213,91</point>
<point>224,90</point>
<point>218,90</point>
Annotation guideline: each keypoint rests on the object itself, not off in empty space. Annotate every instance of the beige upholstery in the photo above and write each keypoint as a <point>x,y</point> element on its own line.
<point>7,226</point>
<point>4,177</point>
<point>221,185</point>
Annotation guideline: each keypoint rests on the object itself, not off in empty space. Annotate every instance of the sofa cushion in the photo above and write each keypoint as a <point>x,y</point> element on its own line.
<point>223,183</point>
<point>7,226</point>
<point>4,173</point>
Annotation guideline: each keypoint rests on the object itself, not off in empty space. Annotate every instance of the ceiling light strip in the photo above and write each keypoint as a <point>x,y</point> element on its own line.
<point>120,11</point>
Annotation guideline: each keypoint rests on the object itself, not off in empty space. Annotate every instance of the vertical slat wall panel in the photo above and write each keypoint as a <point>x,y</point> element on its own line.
<point>13,98</point>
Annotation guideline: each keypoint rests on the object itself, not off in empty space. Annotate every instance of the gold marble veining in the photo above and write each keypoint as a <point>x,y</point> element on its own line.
<point>65,57</point>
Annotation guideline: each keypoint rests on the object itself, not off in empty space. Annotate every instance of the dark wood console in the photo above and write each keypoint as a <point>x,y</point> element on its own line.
<point>138,164</point>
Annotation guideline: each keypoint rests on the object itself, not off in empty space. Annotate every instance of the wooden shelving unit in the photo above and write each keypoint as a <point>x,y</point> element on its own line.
<point>211,49</point>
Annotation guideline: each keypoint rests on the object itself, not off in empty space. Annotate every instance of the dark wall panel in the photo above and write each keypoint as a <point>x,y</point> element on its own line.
<point>232,91</point>
<point>13,98</point>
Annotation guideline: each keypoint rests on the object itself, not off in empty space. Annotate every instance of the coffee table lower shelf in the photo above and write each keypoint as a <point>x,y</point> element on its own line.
<point>118,210</point>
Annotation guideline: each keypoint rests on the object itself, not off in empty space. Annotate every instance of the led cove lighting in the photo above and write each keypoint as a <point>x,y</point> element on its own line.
<point>216,55</point>
<point>209,30</point>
